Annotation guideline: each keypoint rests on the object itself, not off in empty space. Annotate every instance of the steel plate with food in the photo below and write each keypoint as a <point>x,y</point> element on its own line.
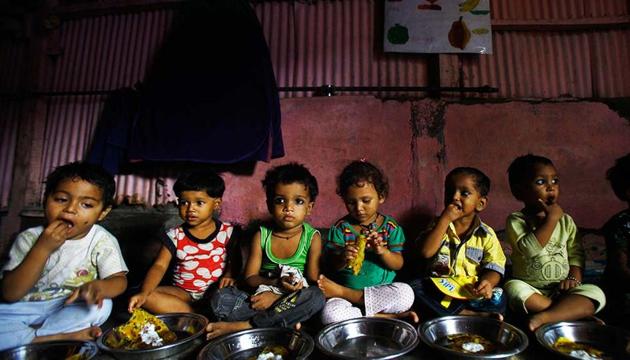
<point>367,337</point>
<point>64,350</point>
<point>472,337</point>
<point>146,336</point>
<point>259,344</point>
<point>585,340</point>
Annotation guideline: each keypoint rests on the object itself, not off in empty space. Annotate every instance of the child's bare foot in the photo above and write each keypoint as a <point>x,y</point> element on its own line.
<point>537,321</point>
<point>225,327</point>
<point>493,315</point>
<point>90,333</point>
<point>407,315</point>
<point>329,287</point>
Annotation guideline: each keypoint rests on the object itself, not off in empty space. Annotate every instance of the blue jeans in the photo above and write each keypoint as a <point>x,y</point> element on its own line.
<point>232,304</point>
<point>428,297</point>
<point>22,321</point>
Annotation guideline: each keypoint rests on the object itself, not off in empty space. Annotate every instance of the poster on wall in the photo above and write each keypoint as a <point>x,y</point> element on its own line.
<point>438,26</point>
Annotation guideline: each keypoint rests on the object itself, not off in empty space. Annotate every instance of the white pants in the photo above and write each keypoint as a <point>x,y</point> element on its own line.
<point>389,299</point>
<point>22,321</point>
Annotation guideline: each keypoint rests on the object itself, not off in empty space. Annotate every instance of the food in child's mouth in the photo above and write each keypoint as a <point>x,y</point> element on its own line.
<point>142,331</point>
<point>577,350</point>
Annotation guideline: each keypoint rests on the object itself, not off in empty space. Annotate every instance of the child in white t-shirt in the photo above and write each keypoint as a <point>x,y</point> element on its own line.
<point>60,278</point>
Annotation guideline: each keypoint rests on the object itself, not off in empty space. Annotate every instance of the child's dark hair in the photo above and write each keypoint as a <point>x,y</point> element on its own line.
<point>482,181</point>
<point>94,174</point>
<point>207,181</point>
<point>521,169</point>
<point>619,177</point>
<point>288,174</point>
<point>362,171</point>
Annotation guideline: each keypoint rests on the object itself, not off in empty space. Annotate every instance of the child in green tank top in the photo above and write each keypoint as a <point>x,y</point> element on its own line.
<point>283,259</point>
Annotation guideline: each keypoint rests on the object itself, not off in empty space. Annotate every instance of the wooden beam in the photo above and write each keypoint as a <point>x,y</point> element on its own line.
<point>117,7</point>
<point>584,24</point>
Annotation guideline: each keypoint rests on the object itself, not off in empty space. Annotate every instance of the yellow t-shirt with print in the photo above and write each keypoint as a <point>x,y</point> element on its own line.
<point>468,257</point>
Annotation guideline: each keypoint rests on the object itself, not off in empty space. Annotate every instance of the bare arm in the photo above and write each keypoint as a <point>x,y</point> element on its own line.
<point>392,260</point>
<point>254,262</point>
<point>152,279</point>
<point>94,292</point>
<point>17,282</point>
<point>573,279</point>
<point>488,280</point>
<point>430,245</point>
<point>157,271</point>
<point>314,256</point>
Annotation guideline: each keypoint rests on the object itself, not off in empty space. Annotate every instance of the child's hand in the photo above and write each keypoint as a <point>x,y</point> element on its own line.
<point>226,281</point>
<point>351,251</point>
<point>452,212</point>
<point>263,301</point>
<point>137,301</point>
<point>53,236</point>
<point>287,283</point>
<point>91,292</point>
<point>483,288</point>
<point>552,210</point>
<point>567,284</point>
<point>376,243</point>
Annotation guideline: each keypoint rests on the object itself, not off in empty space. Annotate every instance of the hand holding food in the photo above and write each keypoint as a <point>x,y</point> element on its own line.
<point>357,262</point>
<point>54,235</point>
<point>91,292</point>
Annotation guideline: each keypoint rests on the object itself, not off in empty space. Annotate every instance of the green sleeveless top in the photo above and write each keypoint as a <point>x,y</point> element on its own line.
<point>297,260</point>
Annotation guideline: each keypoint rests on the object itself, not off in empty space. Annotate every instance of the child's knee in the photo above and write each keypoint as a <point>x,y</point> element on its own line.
<point>98,315</point>
<point>337,309</point>
<point>407,296</point>
<point>224,301</point>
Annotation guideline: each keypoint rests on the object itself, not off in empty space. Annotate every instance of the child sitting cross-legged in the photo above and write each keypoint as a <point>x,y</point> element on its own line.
<point>60,278</point>
<point>461,248</point>
<point>547,255</point>
<point>283,261</point>
<point>199,246</point>
<point>365,287</point>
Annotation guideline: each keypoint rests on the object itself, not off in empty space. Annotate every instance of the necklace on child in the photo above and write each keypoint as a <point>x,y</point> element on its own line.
<point>371,226</point>
<point>287,237</point>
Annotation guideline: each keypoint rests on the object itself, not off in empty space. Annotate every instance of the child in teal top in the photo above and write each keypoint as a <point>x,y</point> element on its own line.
<point>369,289</point>
<point>372,272</point>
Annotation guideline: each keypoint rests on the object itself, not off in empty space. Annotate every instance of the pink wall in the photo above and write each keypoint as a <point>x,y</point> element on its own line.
<point>417,143</point>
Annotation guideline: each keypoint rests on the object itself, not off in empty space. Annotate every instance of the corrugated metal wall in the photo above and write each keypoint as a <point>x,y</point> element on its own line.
<point>99,53</point>
<point>334,42</point>
<point>12,60</point>
<point>337,42</point>
<point>550,64</point>
<point>11,113</point>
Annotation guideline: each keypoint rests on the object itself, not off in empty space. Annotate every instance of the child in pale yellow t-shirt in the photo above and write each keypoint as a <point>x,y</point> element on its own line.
<point>547,256</point>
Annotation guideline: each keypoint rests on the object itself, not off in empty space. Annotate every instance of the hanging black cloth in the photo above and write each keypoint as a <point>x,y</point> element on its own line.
<point>211,94</point>
<point>111,136</point>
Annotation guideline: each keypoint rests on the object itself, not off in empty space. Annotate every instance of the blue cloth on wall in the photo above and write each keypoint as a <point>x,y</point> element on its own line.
<point>211,95</point>
<point>111,136</point>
